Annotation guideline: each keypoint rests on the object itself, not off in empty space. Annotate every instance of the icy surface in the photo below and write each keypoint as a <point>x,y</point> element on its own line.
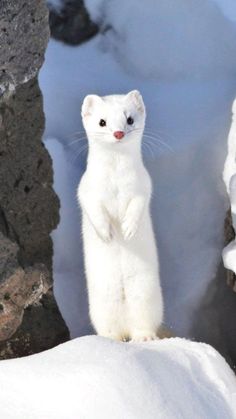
<point>94,377</point>
<point>188,102</point>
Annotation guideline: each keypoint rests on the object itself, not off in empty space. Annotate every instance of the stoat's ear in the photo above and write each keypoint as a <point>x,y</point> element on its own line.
<point>89,104</point>
<point>135,97</point>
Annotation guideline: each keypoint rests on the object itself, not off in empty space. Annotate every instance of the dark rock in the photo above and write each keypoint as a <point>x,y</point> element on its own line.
<point>24,34</point>
<point>72,23</point>
<point>229,236</point>
<point>42,328</point>
<point>215,318</point>
<point>19,288</point>
<point>29,208</point>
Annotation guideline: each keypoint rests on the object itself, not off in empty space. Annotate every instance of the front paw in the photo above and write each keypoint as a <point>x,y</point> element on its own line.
<point>129,228</point>
<point>104,232</point>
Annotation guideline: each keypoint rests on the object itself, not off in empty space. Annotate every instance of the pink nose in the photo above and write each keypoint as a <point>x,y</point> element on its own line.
<point>119,134</point>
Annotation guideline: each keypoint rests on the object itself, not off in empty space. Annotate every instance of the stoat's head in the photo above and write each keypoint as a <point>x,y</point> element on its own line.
<point>115,119</point>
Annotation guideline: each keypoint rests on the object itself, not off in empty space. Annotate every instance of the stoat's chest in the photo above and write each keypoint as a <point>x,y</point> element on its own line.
<point>116,182</point>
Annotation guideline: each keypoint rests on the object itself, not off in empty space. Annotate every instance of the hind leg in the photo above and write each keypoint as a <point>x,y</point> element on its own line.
<point>145,307</point>
<point>104,285</point>
<point>106,303</point>
<point>107,317</point>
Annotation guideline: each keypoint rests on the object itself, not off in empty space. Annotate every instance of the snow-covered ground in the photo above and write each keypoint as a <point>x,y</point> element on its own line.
<point>183,60</point>
<point>93,377</point>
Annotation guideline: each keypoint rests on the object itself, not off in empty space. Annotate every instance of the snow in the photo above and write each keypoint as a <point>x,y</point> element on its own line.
<point>229,176</point>
<point>94,377</point>
<point>188,88</point>
<point>230,163</point>
<point>229,256</point>
<point>97,7</point>
<point>228,7</point>
<point>167,41</point>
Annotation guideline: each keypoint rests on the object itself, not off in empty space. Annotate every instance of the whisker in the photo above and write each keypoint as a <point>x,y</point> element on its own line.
<point>80,151</point>
<point>156,148</point>
<point>151,137</point>
<point>84,138</point>
<point>133,130</point>
<point>77,134</point>
<point>152,145</point>
<point>136,129</point>
<point>78,140</point>
<point>84,134</point>
<point>148,148</point>
<point>160,132</point>
<point>151,134</point>
<point>80,132</point>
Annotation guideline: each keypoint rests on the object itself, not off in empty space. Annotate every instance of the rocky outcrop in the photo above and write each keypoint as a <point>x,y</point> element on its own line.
<point>29,208</point>
<point>24,34</point>
<point>19,288</point>
<point>229,236</point>
<point>28,204</point>
<point>215,318</point>
<point>71,23</point>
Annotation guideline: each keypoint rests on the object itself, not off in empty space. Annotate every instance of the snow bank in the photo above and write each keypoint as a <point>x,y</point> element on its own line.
<point>167,40</point>
<point>94,377</point>
<point>229,176</point>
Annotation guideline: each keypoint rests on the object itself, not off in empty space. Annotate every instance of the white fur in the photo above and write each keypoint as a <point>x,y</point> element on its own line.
<point>121,260</point>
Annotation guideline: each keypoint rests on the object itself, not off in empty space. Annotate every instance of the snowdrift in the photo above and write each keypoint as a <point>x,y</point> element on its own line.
<point>94,377</point>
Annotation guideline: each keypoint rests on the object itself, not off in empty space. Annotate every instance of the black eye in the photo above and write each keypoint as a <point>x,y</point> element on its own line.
<point>130,120</point>
<point>102,123</point>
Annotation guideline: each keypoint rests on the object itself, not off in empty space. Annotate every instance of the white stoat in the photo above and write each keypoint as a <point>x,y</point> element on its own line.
<point>121,261</point>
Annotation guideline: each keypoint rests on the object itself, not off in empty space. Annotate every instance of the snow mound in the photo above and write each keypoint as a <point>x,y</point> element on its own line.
<point>93,377</point>
<point>192,38</point>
